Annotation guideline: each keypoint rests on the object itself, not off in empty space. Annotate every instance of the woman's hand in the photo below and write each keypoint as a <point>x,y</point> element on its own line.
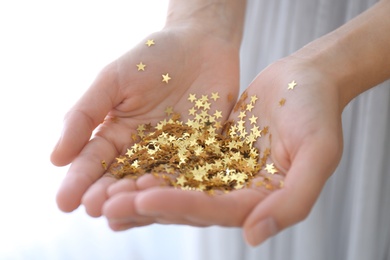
<point>136,89</point>
<point>305,140</point>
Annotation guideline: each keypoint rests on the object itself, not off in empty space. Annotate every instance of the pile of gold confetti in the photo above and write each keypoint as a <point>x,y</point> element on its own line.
<point>204,153</point>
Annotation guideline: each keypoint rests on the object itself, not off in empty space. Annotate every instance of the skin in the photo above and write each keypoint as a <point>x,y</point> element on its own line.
<point>306,132</point>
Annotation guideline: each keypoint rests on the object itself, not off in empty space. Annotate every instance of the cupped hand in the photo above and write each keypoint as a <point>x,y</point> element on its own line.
<point>136,89</point>
<point>305,140</point>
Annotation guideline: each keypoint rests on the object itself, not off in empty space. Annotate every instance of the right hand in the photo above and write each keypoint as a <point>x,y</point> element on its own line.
<point>121,98</point>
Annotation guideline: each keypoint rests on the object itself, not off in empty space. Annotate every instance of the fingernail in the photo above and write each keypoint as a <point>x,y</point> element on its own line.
<point>262,231</point>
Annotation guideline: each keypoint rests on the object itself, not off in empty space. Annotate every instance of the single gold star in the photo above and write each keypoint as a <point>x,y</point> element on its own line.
<point>253,99</point>
<point>129,152</point>
<point>292,85</point>
<point>150,42</point>
<point>270,168</point>
<point>141,66</point>
<point>120,159</point>
<point>169,111</point>
<point>249,107</point>
<point>282,102</point>
<point>192,98</point>
<point>181,180</point>
<point>141,128</point>
<point>218,114</point>
<point>242,115</point>
<point>217,125</point>
<point>253,119</point>
<point>204,98</point>
<point>135,164</point>
<point>206,105</point>
<point>214,96</point>
<point>192,111</point>
<point>166,78</point>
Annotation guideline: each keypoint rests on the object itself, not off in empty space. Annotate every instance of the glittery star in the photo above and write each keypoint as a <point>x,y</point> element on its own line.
<point>204,98</point>
<point>141,128</point>
<point>150,42</point>
<point>214,96</point>
<point>218,114</point>
<point>253,99</point>
<point>282,102</point>
<point>181,180</point>
<point>292,85</point>
<point>135,164</point>
<point>198,103</point>
<point>134,137</point>
<point>129,152</point>
<point>166,78</point>
<point>249,107</point>
<point>270,168</point>
<point>192,111</point>
<point>206,105</point>
<point>242,115</point>
<point>141,66</point>
<point>120,159</point>
<point>253,119</point>
<point>217,125</point>
<point>192,98</point>
<point>169,111</point>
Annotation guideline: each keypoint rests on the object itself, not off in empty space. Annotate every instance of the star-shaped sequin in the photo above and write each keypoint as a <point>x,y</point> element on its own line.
<point>141,66</point>
<point>150,42</point>
<point>292,85</point>
<point>166,78</point>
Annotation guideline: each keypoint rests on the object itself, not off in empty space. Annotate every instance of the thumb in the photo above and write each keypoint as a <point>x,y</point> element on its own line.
<point>304,181</point>
<point>85,116</point>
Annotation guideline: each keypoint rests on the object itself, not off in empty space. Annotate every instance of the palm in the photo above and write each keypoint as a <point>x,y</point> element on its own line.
<point>305,146</point>
<point>125,97</point>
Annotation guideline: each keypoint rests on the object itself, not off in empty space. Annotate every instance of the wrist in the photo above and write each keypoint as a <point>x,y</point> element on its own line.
<point>355,57</point>
<point>219,18</point>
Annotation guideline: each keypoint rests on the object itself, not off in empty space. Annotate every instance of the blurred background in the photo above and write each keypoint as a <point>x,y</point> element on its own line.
<point>50,52</point>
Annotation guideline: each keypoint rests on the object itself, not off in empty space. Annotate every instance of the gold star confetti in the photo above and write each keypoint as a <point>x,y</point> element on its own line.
<point>214,96</point>
<point>150,42</point>
<point>282,102</point>
<point>104,164</point>
<point>249,107</point>
<point>169,111</point>
<point>253,119</point>
<point>192,98</point>
<point>141,66</point>
<point>195,155</point>
<point>253,99</point>
<point>292,85</point>
<point>120,159</point>
<point>166,78</point>
<point>270,168</point>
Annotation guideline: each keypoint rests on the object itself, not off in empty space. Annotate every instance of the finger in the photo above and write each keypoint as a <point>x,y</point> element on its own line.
<point>123,185</point>
<point>149,181</point>
<point>121,214</point>
<point>129,185</point>
<point>197,208</point>
<point>83,172</point>
<point>96,195</point>
<point>85,116</point>
<point>291,204</point>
